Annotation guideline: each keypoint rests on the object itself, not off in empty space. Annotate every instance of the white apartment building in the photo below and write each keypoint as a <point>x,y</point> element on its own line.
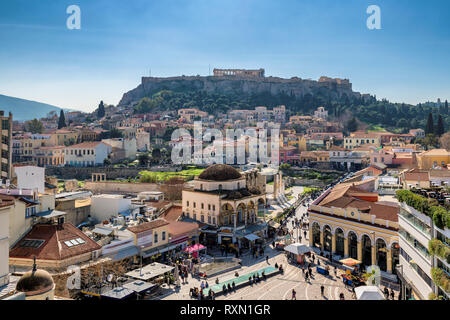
<point>414,269</point>
<point>143,141</point>
<point>5,208</point>
<point>30,177</point>
<point>417,263</point>
<point>86,154</point>
<point>321,113</point>
<point>128,145</point>
<point>105,206</point>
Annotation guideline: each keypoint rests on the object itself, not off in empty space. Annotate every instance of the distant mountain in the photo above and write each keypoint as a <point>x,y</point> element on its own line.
<point>23,110</point>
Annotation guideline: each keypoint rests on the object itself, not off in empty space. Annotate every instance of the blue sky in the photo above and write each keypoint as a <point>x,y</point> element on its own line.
<point>408,60</point>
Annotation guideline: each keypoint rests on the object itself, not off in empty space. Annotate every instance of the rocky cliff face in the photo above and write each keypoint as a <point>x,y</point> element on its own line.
<point>236,85</point>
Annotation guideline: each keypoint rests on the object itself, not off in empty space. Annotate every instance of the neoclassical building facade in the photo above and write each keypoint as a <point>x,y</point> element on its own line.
<point>227,202</point>
<point>348,221</point>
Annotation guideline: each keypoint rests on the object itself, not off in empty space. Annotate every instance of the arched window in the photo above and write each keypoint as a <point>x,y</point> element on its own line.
<point>316,234</point>
<point>339,234</point>
<point>327,238</point>
<point>381,254</point>
<point>352,245</point>
<point>366,250</point>
<point>395,251</point>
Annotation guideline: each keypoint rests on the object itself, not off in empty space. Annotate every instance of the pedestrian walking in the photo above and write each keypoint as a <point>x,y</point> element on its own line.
<point>294,295</point>
<point>267,259</point>
<point>392,294</point>
<point>322,289</point>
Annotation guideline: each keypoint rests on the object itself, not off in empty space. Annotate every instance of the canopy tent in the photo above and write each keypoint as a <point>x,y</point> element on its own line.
<point>297,248</point>
<point>350,261</point>
<point>251,237</point>
<point>195,249</point>
<point>369,293</point>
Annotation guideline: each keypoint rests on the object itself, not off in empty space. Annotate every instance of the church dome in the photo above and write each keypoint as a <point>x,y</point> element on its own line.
<point>35,282</point>
<point>220,172</point>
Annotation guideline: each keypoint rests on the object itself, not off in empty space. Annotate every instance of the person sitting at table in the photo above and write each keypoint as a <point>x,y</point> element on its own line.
<point>250,279</point>
<point>276,265</point>
<point>234,286</point>
<point>224,288</point>
<point>236,274</point>
<point>217,280</point>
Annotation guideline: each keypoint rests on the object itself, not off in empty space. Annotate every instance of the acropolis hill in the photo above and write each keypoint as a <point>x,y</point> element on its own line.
<point>241,81</point>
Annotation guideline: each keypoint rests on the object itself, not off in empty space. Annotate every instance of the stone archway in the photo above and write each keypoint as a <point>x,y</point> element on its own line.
<point>251,212</point>
<point>226,214</point>
<point>241,212</point>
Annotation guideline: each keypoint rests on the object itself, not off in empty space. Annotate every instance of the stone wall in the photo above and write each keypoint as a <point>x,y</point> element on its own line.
<point>230,84</point>
<point>120,187</point>
<point>86,173</point>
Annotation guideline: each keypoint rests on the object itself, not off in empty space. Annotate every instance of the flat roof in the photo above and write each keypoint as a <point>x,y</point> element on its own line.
<point>139,286</point>
<point>149,271</point>
<point>118,293</point>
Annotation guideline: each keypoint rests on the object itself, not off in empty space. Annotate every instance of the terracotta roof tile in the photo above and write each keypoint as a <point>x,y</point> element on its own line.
<point>148,226</point>
<point>54,247</point>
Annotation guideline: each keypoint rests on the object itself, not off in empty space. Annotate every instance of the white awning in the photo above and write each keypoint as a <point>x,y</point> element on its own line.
<point>369,293</point>
<point>252,237</point>
<point>297,248</point>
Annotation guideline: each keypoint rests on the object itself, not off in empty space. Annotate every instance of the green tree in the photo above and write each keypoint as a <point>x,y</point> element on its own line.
<point>403,123</point>
<point>35,126</point>
<point>101,110</point>
<point>156,153</point>
<point>446,107</point>
<point>143,159</point>
<point>429,129</point>
<point>107,162</point>
<point>440,130</point>
<point>111,134</point>
<point>62,120</point>
<point>352,125</point>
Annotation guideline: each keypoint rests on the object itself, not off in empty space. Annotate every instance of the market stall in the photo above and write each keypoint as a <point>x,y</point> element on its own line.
<point>352,277</point>
<point>369,293</point>
<point>298,251</point>
<point>194,250</point>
